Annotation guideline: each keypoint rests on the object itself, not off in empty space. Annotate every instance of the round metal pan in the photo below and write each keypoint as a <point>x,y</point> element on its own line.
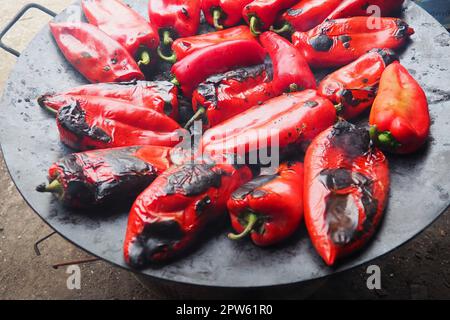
<point>420,183</point>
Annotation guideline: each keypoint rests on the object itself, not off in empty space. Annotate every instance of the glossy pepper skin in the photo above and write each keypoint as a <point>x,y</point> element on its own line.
<point>346,190</point>
<point>223,13</point>
<point>399,119</point>
<point>98,123</point>
<point>124,25</point>
<point>224,96</point>
<point>261,14</point>
<point>161,96</point>
<point>288,121</point>
<point>306,15</point>
<point>175,18</point>
<point>335,43</point>
<point>359,8</point>
<point>102,177</point>
<point>170,215</point>
<point>94,54</point>
<point>183,47</point>
<point>353,88</point>
<point>269,208</point>
<point>220,58</point>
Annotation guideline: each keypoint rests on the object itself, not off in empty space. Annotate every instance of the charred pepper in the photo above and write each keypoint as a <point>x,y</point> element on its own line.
<point>124,25</point>
<point>346,190</point>
<point>98,123</point>
<point>269,208</point>
<point>353,88</point>
<point>400,119</point>
<point>173,212</point>
<point>99,177</point>
<point>261,14</point>
<point>94,54</point>
<point>161,96</point>
<point>223,13</point>
<point>335,43</point>
<point>224,96</point>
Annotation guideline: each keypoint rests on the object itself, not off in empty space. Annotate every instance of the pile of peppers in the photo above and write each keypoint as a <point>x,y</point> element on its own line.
<point>242,77</point>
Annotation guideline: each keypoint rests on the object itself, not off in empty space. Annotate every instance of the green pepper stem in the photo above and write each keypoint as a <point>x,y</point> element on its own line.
<point>200,112</point>
<point>217,15</point>
<point>293,87</point>
<point>175,81</point>
<point>254,26</point>
<point>339,107</point>
<point>167,39</point>
<point>251,221</point>
<point>145,58</point>
<point>41,102</point>
<point>54,187</point>
<point>285,28</point>
<point>171,59</point>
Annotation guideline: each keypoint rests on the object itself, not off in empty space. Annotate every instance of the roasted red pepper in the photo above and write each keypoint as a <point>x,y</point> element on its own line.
<point>160,96</point>
<point>288,121</point>
<point>346,190</point>
<point>183,47</point>
<point>335,43</point>
<point>175,18</point>
<point>224,96</point>
<point>105,177</point>
<point>175,210</point>
<point>223,13</point>
<point>306,15</point>
<point>261,14</point>
<point>353,88</point>
<point>94,54</point>
<point>98,123</point>
<point>400,119</point>
<point>357,8</point>
<point>270,207</point>
<point>225,56</point>
<point>124,25</point>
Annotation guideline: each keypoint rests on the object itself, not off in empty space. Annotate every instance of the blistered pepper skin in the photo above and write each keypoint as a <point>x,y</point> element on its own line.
<point>400,119</point>
<point>336,43</point>
<point>170,215</point>
<point>94,54</point>
<point>104,177</point>
<point>346,191</point>
<point>353,88</point>
<point>161,96</point>
<point>359,8</point>
<point>273,204</point>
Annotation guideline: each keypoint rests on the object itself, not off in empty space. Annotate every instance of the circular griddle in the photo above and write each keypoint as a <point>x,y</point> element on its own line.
<point>420,183</point>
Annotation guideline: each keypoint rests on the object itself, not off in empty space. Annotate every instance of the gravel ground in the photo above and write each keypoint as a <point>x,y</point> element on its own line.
<point>418,270</point>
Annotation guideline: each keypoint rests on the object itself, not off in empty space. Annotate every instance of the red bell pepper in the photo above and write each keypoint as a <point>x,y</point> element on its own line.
<point>288,121</point>
<point>222,97</point>
<point>169,216</point>
<point>306,15</point>
<point>353,88</point>
<point>183,47</point>
<point>223,13</point>
<point>198,66</point>
<point>94,54</point>
<point>270,207</point>
<point>175,18</point>
<point>335,43</point>
<point>104,177</point>
<point>357,8</point>
<point>98,123</point>
<point>161,96</point>
<point>261,14</point>
<point>124,25</point>
<point>400,119</point>
<point>346,190</point>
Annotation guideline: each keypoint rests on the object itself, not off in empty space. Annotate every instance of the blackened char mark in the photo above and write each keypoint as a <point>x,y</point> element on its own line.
<point>402,30</point>
<point>355,141</point>
<point>322,43</point>
<point>193,179</point>
<point>387,55</point>
<point>73,118</point>
<point>157,238</point>
<point>252,186</point>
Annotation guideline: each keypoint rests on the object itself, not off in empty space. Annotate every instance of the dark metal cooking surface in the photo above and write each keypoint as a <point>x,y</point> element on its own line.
<point>420,184</point>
